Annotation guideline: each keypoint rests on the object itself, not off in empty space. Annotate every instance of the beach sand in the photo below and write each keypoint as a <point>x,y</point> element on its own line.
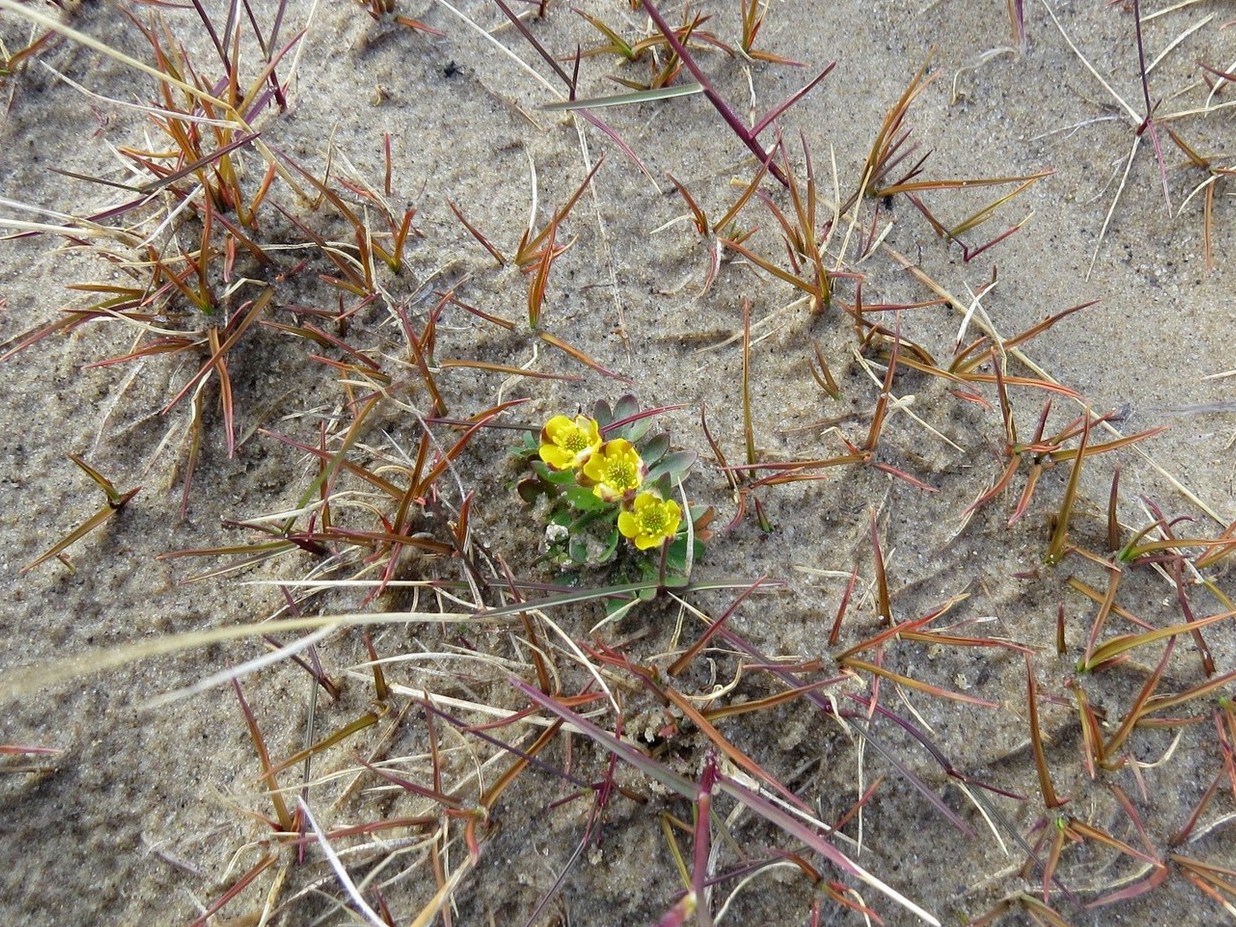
<point>153,808</point>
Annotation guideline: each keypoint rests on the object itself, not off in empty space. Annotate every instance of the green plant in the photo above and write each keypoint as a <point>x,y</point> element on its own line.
<point>597,480</point>
<point>939,618</point>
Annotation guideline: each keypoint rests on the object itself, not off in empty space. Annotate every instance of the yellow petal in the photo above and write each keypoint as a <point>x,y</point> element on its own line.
<point>594,469</point>
<point>673,515</point>
<point>645,541</point>
<point>628,524</point>
<point>555,428</point>
<point>590,428</point>
<point>556,457</point>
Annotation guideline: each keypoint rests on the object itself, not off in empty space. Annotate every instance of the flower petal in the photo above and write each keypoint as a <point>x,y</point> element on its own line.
<point>614,471</point>
<point>555,428</point>
<point>556,457</point>
<point>567,443</point>
<point>650,521</point>
<point>628,524</point>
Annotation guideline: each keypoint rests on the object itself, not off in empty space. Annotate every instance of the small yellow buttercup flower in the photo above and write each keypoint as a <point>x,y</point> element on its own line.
<point>566,443</point>
<point>614,471</point>
<point>650,521</point>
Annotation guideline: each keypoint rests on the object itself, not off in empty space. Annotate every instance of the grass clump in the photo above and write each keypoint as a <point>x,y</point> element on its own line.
<point>944,620</point>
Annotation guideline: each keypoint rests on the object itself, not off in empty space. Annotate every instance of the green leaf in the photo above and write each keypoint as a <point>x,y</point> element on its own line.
<point>584,499</point>
<point>626,406</point>
<point>676,556</point>
<point>531,487</point>
<point>611,546</point>
<point>633,431</point>
<point>578,549</point>
<point>553,477</point>
<point>661,485</point>
<point>616,607</point>
<point>674,465</point>
<point>655,449</point>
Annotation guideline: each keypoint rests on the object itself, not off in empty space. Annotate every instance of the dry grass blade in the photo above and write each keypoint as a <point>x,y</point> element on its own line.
<point>650,95</point>
<point>341,871</point>
<point>1056,549</point>
<point>790,824</point>
<point>235,889</point>
<point>1036,741</point>
<point>1137,709</point>
<point>285,822</point>
<point>116,500</point>
<point>888,149</point>
<point>1114,648</point>
<point>476,233</point>
<point>679,665</point>
<point>579,355</point>
<point>753,13</point>
<point>883,601</point>
<point>355,354</point>
<point>731,118</point>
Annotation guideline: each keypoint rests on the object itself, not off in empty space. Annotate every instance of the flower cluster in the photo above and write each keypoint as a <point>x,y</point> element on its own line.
<point>614,472</point>
<point>595,480</point>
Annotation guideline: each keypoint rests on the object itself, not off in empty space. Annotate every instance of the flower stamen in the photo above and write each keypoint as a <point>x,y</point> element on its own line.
<point>650,521</point>
<point>567,444</point>
<point>614,471</point>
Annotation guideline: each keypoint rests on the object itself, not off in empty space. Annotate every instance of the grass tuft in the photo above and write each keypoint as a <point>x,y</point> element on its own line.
<point>454,666</point>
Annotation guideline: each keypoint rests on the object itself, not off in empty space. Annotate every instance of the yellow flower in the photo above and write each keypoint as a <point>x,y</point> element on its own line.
<point>566,444</point>
<point>650,521</point>
<point>614,471</point>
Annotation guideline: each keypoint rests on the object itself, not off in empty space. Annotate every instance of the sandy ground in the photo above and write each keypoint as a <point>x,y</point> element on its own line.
<point>151,810</point>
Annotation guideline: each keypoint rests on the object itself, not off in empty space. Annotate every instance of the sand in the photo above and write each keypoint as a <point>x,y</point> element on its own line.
<point>153,808</point>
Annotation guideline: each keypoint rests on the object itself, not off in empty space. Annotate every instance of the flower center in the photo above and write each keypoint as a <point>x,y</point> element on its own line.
<point>620,474</point>
<point>576,442</point>
<point>652,520</point>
